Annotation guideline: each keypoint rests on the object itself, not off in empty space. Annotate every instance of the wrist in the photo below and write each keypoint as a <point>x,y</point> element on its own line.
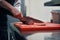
<point>18,16</point>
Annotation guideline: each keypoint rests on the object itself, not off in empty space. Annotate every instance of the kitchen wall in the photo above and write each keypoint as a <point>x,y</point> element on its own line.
<point>36,9</point>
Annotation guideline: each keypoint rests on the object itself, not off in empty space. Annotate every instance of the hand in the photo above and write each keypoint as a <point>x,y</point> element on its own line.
<point>17,14</point>
<point>28,21</point>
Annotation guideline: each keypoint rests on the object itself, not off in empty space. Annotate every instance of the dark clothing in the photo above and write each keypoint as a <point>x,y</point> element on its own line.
<point>3,24</point>
<point>3,21</point>
<point>3,15</point>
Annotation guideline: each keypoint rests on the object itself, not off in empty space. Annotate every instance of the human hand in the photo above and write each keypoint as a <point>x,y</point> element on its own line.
<point>28,21</point>
<point>17,14</point>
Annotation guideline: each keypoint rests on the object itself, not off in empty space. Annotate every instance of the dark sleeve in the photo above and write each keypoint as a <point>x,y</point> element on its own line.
<point>5,11</point>
<point>9,13</point>
<point>11,2</point>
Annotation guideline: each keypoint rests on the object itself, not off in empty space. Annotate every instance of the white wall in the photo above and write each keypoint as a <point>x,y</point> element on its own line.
<point>36,9</point>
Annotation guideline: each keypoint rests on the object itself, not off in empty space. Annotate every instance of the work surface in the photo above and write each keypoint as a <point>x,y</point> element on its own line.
<point>37,27</point>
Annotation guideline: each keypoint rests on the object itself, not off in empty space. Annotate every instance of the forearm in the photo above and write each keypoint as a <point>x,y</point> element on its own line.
<point>12,9</point>
<point>6,5</point>
<point>9,7</point>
